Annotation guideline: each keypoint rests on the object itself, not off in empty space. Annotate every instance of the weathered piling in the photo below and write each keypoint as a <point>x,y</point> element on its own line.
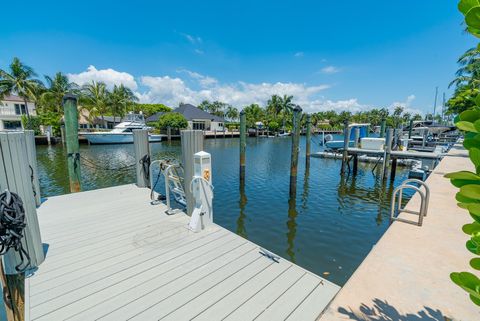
<point>142,157</point>
<point>388,150</point>
<point>243,144</point>
<point>192,142</point>
<point>169,134</point>
<point>383,125</point>
<point>32,162</point>
<point>357,137</point>
<point>308,138</point>
<point>346,141</point>
<point>15,177</point>
<point>410,128</point>
<point>62,134</point>
<point>71,137</point>
<point>393,170</point>
<point>297,116</point>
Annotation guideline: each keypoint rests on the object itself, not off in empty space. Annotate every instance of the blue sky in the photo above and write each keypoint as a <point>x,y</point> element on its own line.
<point>329,54</point>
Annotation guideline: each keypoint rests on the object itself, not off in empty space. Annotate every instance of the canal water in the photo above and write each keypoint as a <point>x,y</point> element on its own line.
<point>328,228</point>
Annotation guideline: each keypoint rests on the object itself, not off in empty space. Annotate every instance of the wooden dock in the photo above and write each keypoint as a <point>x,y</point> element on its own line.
<point>114,256</point>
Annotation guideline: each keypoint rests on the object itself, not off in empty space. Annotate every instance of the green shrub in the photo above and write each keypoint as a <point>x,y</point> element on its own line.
<point>31,123</point>
<point>172,120</point>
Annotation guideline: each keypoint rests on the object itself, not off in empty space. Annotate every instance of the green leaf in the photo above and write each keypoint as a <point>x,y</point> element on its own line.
<point>465,175</point>
<point>474,154</point>
<point>471,228</point>
<point>472,18</point>
<point>470,191</point>
<point>471,143</point>
<point>463,199</point>
<point>463,205</point>
<point>472,247</point>
<point>475,299</point>
<point>466,126</point>
<point>475,263</point>
<point>470,115</point>
<point>462,182</point>
<point>465,5</point>
<point>467,281</point>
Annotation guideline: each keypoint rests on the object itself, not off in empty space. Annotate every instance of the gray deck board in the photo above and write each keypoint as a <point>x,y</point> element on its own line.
<point>114,256</point>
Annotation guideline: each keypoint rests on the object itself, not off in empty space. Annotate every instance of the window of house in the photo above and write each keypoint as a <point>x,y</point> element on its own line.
<point>200,125</point>
<point>10,124</point>
<point>20,109</point>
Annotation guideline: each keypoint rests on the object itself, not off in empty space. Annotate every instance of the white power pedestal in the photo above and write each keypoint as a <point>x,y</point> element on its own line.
<point>202,191</point>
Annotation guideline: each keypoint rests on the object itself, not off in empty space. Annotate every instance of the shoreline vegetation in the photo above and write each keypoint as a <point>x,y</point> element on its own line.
<point>100,101</point>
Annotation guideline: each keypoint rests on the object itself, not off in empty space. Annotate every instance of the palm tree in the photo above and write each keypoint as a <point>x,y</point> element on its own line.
<point>469,72</point>
<point>57,87</point>
<point>18,80</point>
<point>95,99</point>
<point>286,106</point>
<point>119,100</point>
<point>274,105</point>
<point>231,113</point>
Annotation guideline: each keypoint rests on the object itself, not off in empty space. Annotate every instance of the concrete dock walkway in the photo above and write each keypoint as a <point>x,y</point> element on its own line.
<point>406,275</point>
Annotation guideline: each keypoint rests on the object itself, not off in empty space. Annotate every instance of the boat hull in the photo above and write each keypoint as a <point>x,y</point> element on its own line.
<point>117,138</point>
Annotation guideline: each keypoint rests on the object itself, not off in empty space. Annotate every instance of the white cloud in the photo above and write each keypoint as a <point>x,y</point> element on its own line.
<point>204,81</point>
<point>199,51</point>
<point>406,105</point>
<point>109,76</point>
<point>192,39</point>
<point>299,54</point>
<point>330,70</point>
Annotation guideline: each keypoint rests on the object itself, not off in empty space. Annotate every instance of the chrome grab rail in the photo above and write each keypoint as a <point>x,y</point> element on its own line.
<point>173,183</point>
<point>424,196</point>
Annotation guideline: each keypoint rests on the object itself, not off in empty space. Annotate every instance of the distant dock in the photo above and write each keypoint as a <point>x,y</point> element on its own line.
<point>114,256</point>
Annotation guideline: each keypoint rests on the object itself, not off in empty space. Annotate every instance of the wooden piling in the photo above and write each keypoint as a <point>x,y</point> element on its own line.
<point>357,137</point>
<point>308,139</point>
<point>388,150</point>
<point>71,137</point>
<point>382,128</point>
<point>393,170</point>
<point>355,165</point>
<point>192,142</point>
<point>243,144</point>
<point>142,156</point>
<point>346,141</point>
<point>62,134</point>
<point>297,116</point>
<point>410,128</point>
<point>169,134</point>
<point>32,162</point>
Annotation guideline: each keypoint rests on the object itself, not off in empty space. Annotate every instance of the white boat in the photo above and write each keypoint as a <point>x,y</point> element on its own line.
<point>329,143</point>
<point>122,133</point>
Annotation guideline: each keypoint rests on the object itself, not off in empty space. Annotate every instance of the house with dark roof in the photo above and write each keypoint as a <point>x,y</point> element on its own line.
<point>196,118</point>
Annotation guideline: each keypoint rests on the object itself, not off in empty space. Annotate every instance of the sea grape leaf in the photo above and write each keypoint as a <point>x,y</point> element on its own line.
<point>471,143</point>
<point>471,228</point>
<point>465,5</point>
<point>474,154</point>
<point>466,126</point>
<point>472,18</point>
<point>465,175</point>
<point>463,199</point>
<point>462,182</point>
<point>470,115</point>
<point>470,191</point>
<point>472,247</point>
<point>475,263</point>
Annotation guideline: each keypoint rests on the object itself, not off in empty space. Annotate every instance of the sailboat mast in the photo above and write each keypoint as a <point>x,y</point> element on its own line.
<point>435,103</point>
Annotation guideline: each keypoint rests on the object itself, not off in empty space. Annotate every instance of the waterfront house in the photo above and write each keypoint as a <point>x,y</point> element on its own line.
<point>12,108</point>
<point>196,118</point>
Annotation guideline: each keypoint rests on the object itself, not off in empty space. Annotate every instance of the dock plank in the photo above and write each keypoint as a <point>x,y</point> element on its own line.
<point>124,258</point>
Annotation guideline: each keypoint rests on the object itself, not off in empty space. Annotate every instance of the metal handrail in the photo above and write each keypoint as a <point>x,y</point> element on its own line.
<point>427,191</point>
<point>421,213</point>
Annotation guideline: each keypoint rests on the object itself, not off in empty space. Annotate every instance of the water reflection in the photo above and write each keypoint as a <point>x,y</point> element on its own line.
<point>292,228</point>
<point>241,230</point>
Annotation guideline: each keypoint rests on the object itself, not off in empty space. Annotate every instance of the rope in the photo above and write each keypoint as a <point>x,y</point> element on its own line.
<point>32,179</point>
<point>145,163</point>
<point>12,225</point>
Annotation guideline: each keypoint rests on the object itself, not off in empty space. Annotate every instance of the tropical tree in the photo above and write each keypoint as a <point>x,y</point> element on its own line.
<point>57,87</point>
<point>20,80</point>
<point>231,113</point>
<point>119,99</point>
<point>469,72</point>
<point>275,105</point>
<point>253,113</point>
<point>95,99</point>
<point>172,120</point>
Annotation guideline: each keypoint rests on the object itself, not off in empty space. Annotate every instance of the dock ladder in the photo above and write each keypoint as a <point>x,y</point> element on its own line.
<point>173,177</point>
<point>424,196</point>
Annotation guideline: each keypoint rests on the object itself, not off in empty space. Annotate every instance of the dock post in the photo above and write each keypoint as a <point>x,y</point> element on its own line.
<point>243,145</point>
<point>15,176</point>
<point>388,150</point>
<point>32,162</point>
<point>308,139</point>
<point>62,134</point>
<point>355,164</point>
<point>169,134</point>
<point>297,116</point>
<point>410,128</point>
<point>346,139</point>
<point>71,137</point>
<point>142,157</point>
<point>357,137</point>
<point>393,170</point>
<point>382,127</point>
<point>192,142</point>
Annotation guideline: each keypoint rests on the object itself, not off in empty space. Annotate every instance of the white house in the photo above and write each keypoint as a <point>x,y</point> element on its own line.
<point>196,118</point>
<point>11,110</point>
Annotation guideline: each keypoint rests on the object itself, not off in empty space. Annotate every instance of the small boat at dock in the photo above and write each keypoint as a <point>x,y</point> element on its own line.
<point>122,133</point>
